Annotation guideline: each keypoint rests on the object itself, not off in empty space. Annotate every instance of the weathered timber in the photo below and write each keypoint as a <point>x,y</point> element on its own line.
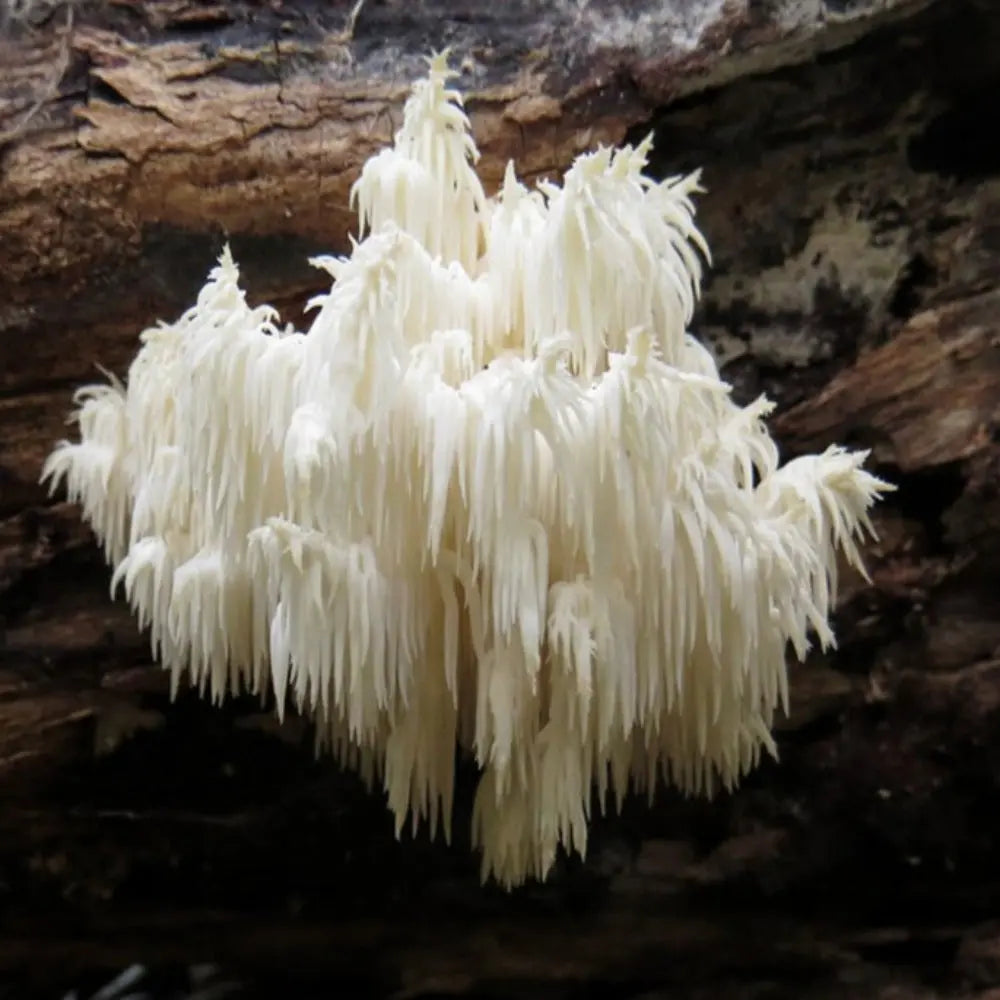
<point>854,215</point>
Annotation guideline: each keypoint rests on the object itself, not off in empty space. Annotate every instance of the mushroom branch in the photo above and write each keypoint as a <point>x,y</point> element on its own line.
<point>496,498</point>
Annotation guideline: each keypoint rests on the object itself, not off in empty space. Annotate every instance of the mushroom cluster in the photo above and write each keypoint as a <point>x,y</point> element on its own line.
<point>496,498</point>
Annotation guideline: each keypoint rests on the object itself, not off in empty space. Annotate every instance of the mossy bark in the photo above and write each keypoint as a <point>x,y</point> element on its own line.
<point>853,207</point>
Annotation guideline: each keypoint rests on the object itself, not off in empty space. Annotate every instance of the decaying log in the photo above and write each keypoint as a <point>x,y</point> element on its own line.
<point>854,215</point>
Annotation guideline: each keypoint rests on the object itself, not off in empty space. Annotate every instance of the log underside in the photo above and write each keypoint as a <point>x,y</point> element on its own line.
<point>853,207</point>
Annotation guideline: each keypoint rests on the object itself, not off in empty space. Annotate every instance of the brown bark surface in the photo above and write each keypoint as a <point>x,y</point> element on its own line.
<point>851,153</point>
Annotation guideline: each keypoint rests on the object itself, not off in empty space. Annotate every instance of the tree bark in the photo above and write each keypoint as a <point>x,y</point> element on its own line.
<point>854,197</point>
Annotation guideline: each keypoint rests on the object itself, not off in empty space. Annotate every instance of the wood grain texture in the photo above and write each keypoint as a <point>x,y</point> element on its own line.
<point>854,193</point>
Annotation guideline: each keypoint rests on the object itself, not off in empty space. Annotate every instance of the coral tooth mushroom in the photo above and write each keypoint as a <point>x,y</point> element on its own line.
<point>497,498</point>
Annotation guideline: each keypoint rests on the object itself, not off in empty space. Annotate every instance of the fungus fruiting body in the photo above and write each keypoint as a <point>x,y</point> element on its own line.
<point>497,498</point>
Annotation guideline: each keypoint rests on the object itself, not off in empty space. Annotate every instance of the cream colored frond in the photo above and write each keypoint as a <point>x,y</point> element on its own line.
<point>497,499</point>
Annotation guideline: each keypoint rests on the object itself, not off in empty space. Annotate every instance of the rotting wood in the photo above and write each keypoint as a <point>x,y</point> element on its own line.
<point>857,261</point>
